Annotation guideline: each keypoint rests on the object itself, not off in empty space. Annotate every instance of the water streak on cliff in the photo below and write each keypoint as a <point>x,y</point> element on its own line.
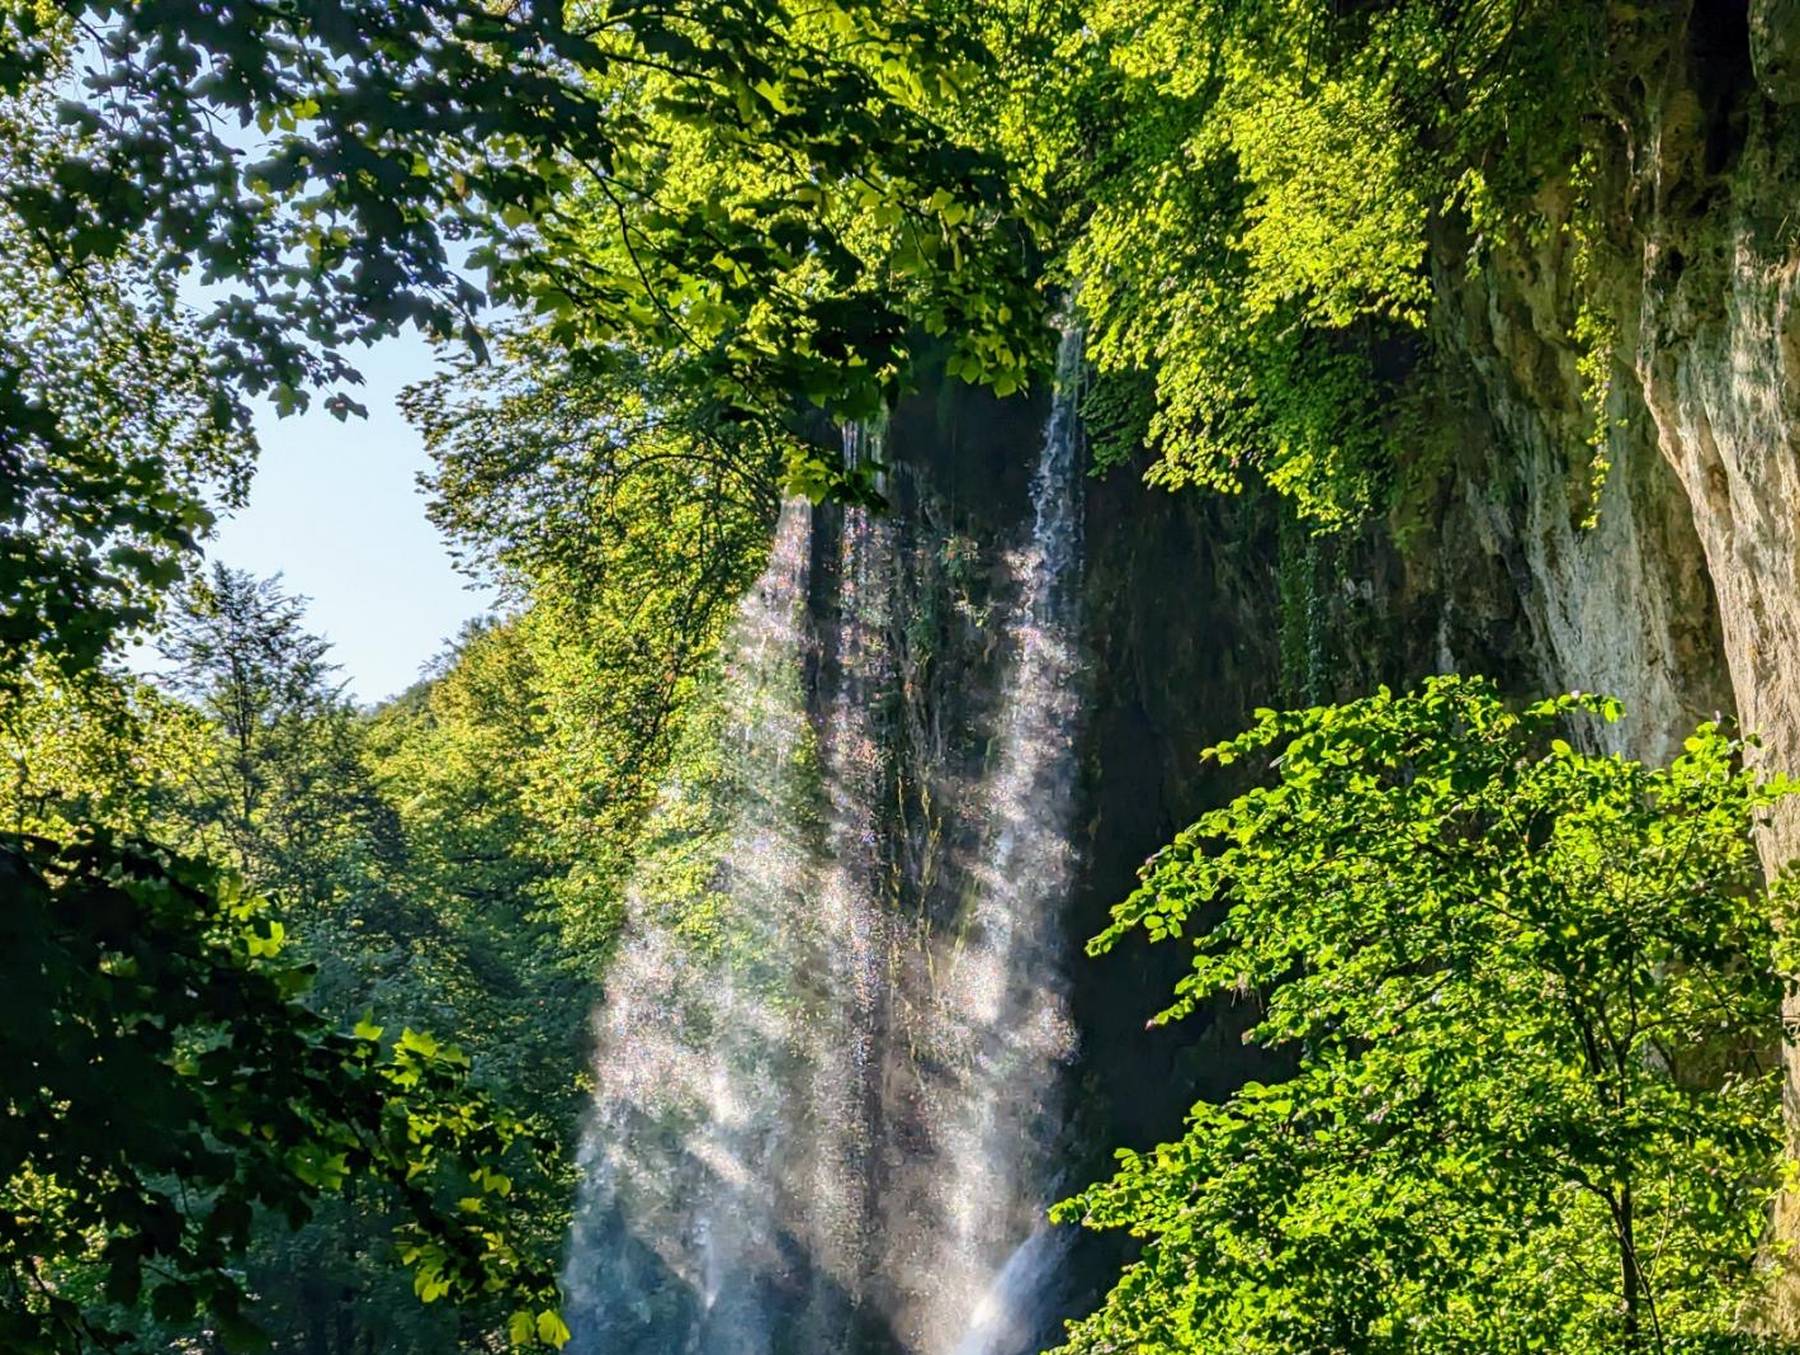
<point>826,1107</point>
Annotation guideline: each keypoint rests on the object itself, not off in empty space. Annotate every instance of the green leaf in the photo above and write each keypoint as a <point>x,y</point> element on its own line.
<point>551,1330</point>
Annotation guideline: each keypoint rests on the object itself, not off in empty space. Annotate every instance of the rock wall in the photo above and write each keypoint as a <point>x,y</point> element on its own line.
<point>1522,586</point>
<point>1685,600</point>
<point>1715,350</point>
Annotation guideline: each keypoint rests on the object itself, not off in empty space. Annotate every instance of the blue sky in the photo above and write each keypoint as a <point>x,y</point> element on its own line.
<point>334,508</point>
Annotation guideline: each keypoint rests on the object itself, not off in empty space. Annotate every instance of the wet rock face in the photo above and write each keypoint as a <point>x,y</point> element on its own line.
<point>1618,606</point>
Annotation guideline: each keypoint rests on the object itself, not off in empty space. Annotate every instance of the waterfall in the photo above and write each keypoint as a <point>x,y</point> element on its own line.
<point>855,938</point>
<point>825,1114</point>
<point>681,1236</point>
<point>1000,1015</point>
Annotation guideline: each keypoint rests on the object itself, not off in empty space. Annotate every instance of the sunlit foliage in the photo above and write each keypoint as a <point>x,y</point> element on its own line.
<point>1252,204</point>
<point>1528,993</point>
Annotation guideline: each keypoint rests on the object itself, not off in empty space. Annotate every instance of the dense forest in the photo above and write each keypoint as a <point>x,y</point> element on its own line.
<point>1311,485</point>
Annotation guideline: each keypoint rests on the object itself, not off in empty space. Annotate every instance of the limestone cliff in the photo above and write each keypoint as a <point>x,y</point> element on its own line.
<point>1683,599</point>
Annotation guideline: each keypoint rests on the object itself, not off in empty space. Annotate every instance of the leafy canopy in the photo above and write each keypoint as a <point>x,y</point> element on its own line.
<point>164,1088</point>
<point>758,194</point>
<point>1525,994</point>
<point>115,432</point>
<point>390,134</point>
<point>1248,206</point>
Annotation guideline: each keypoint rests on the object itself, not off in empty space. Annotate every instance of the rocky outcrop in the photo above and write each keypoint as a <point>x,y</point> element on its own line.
<point>1716,352</point>
<point>1523,581</point>
<point>1686,598</point>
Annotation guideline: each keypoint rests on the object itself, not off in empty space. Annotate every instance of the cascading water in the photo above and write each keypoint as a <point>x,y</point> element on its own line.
<point>681,1233</point>
<point>855,939</point>
<point>825,1110</point>
<point>1000,1012</point>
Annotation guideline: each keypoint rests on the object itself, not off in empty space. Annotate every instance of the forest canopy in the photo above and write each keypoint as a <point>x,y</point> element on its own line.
<point>296,990</point>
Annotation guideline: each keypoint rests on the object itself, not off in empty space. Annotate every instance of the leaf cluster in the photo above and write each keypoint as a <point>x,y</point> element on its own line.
<point>1248,205</point>
<point>164,1088</point>
<point>117,440</point>
<point>1527,993</point>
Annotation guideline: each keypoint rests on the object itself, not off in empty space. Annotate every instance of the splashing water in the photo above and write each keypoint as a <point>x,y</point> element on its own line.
<point>822,1122</point>
<point>680,1228</point>
<point>1000,1013</point>
<point>1005,1319</point>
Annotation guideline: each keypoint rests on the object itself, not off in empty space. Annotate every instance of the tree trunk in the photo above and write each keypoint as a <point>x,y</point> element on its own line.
<point>1631,1279</point>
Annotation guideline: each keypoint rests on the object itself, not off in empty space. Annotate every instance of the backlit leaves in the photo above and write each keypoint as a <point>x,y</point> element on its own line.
<point>1526,991</point>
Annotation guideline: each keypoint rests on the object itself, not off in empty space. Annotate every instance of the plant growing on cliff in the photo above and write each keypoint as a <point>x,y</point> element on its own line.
<point>1526,991</point>
<point>1255,196</point>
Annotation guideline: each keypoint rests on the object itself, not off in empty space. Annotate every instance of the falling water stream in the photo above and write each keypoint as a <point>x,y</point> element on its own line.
<point>825,1116</point>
